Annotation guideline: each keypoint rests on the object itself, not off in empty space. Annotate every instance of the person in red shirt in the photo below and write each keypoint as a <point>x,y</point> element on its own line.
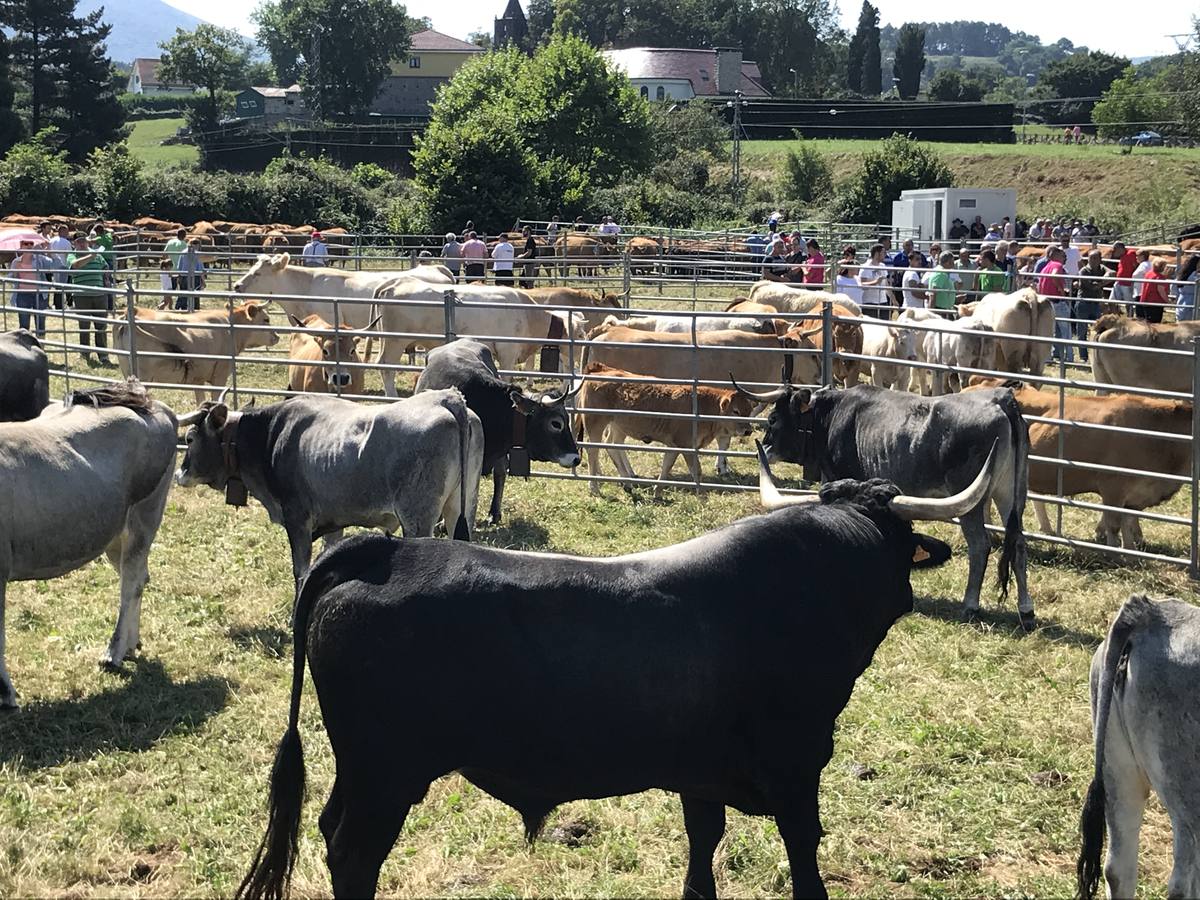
<point>814,268</point>
<point>1154,293</point>
<point>1052,284</point>
<point>1122,291</point>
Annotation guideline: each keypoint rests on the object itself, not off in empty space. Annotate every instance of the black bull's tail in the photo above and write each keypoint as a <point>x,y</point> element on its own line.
<point>271,870</point>
<point>1013,533</point>
<point>462,530</point>
<point>1091,821</point>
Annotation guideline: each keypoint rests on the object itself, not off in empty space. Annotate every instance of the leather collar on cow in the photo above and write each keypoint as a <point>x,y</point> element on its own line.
<point>235,488</point>
<point>518,454</point>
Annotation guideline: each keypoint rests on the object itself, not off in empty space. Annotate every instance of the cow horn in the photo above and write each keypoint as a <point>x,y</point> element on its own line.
<point>192,418</point>
<point>767,491</point>
<point>221,399</point>
<point>576,387</point>
<point>765,397</point>
<point>946,508</point>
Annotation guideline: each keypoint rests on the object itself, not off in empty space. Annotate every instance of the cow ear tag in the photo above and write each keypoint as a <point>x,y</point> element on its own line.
<point>235,492</point>
<point>518,462</point>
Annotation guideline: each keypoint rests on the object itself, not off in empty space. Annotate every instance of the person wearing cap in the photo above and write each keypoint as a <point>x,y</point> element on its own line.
<point>994,233</point>
<point>452,254</point>
<point>191,277</point>
<point>315,253</point>
<point>958,230</point>
<point>91,302</point>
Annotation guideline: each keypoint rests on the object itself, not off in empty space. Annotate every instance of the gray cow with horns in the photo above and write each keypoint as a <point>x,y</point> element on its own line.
<point>320,463</point>
<point>88,477</point>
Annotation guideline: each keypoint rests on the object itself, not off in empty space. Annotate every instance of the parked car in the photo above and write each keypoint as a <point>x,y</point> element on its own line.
<point>1143,139</point>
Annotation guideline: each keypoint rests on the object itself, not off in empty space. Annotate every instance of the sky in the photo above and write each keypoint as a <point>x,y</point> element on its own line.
<point>1125,34</point>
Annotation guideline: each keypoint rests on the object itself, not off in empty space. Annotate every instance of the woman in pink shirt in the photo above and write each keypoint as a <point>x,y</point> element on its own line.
<point>814,266</point>
<point>1154,292</point>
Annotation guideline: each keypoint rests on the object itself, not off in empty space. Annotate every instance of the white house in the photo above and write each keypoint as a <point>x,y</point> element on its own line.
<point>666,73</point>
<point>143,79</point>
<point>933,210</point>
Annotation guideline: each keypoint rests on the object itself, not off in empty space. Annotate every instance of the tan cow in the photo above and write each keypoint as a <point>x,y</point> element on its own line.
<point>643,251</point>
<point>601,303</point>
<point>582,251</point>
<point>180,339</point>
<point>344,346</point>
<point>847,335</point>
<point>605,399</point>
<point>1022,312</point>
<point>1106,448</point>
<point>1142,368</point>
<point>789,298</point>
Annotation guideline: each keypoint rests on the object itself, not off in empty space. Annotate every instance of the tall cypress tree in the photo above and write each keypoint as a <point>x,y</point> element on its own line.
<point>11,129</point>
<point>89,113</point>
<point>40,36</point>
<point>872,71</point>
<point>910,60</point>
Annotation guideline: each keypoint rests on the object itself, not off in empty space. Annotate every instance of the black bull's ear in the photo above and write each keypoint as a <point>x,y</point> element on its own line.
<point>929,552</point>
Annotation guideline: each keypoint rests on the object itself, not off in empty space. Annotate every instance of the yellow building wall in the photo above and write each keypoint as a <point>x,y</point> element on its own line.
<point>434,64</point>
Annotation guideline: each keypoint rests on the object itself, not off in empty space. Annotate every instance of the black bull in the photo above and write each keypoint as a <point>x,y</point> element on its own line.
<point>927,446</point>
<point>705,668</point>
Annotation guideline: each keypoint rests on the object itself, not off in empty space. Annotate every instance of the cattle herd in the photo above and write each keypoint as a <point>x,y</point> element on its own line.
<point>678,645</point>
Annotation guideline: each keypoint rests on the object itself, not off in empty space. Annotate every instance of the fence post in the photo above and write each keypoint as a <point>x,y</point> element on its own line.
<point>697,475</point>
<point>1062,432</point>
<point>357,252</point>
<point>129,327</point>
<point>626,279</point>
<point>448,307</point>
<point>1194,568</point>
<point>827,343</point>
<point>337,348</point>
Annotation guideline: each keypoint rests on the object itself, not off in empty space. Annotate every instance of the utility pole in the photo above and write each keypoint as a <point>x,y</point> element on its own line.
<point>737,103</point>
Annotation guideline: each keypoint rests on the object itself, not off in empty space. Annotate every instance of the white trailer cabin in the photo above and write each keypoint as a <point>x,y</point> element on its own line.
<point>931,211</point>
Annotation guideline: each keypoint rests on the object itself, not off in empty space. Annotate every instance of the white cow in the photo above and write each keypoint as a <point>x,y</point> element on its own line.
<point>964,343</point>
<point>1022,312</point>
<point>86,478</point>
<point>1145,679</point>
<point>683,324</point>
<point>787,298</point>
<point>413,308</point>
<point>886,341</point>
<point>274,276</point>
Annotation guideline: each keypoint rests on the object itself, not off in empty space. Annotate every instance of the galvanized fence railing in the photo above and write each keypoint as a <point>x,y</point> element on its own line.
<point>257,372</point>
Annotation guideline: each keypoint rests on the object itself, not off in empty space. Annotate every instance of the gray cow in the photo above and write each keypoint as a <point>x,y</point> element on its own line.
<point>1144,682</point>
<point>24,376</point>
<point>86,478</point>
<point>319,464</point>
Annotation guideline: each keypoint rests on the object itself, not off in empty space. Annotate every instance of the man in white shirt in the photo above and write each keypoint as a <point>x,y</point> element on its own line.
<point>502,261</point>
<point>873,278</point>
<point>315,253</point>
<point>608,226</point>
<point>911,282</point>
<point>1072,261</point>
<point>1009,230</point>
<point>60,246</point>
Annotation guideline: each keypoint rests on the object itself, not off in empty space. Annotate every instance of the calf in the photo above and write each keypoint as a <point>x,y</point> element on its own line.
<point>539,423</point>
<point>1144,685</point>
<point>601,398</point>
<point>692,649</point>
<point>86,478</point>
<point>889,342</point>
<point>24,376</point>
<point>1105,448</point>
<point>319,464</point>
<point>334,348</point>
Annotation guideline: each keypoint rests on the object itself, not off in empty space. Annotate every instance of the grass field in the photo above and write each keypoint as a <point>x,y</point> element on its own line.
<point>145,142</point>
<point>959,770</point>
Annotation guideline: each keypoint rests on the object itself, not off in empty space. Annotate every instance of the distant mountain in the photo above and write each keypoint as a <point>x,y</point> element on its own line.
<point>138,26</point>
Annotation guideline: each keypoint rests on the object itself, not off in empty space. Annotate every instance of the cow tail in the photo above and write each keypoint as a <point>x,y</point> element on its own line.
<point>1013,530</point>
<point>462,531</point>
<point>271,870</point>
<point>1133,614</point>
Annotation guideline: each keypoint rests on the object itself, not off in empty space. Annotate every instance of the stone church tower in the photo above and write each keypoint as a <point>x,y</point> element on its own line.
<point>511,28</point>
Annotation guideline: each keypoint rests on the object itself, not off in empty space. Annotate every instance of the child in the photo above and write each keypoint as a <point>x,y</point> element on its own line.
<point>167,280</point>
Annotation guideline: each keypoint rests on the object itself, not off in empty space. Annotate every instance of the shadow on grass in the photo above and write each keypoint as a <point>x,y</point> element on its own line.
<point>518,534</point>
<point>141,708</point>
<point>1002,621</point>
<point>264,640</point>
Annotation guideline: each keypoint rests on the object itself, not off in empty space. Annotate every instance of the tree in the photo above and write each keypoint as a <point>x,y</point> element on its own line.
<point>89,115</point>
<point>900,163</point>
<point>480,39</point>
<point>540,16</point>
<point>210,57</point>
<point>34,175</point>
<point>949,86</point>
<point>1084,75</point>
<point>340,51</point>
<point>872,76</point>
<point>39,33</point>
<point>1132,104</point>
<point>910,60</point>
<point>1185,80</point>
<point>11,129</point>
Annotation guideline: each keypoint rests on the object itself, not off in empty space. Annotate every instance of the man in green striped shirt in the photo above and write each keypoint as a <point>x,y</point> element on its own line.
<point>90,301</point>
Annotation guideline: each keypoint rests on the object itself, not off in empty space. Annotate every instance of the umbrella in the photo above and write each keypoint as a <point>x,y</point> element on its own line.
<point>10,239</point>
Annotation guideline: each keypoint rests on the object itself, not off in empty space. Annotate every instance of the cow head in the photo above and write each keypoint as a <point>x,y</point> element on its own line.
<point>206,455</point>
<point>977,345</point>
<point>253,314</point>
<point>737,404</point>
<point>342,346</point>
<point>905,340</point>
<point>548,435</point>
<point>258,278</point>
<point>791,431</point>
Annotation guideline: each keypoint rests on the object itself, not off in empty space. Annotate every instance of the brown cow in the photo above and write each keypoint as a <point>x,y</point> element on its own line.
<point>847,335</point>
<point>649,396</point>
<point>582,251</point>
<point>601,302</point>
<point>149,223</point>
<point>180,347</point>
<point>336,349</point>
<point>1106,448</point>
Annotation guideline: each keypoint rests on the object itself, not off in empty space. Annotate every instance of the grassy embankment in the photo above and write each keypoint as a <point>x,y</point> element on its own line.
<point>145,142</point>
<point>960,766</point>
